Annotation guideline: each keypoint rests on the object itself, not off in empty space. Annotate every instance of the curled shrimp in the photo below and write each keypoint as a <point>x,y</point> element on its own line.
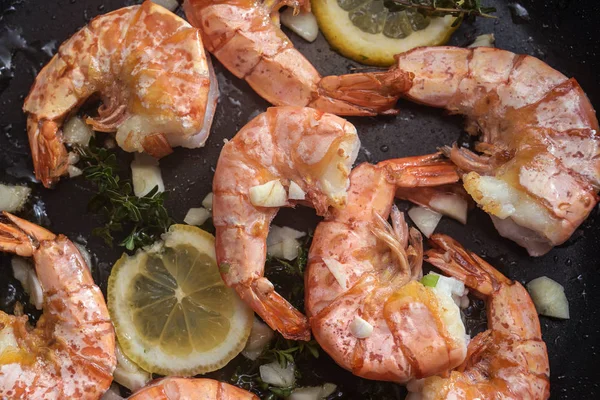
<point>312,149</point>
<point>507,361</point>
<point>71,351</point>
<point>149,68</point>
<point>362,271</point>
<point>537,170</point>
<point>189,388</point>
<point>244,35</point>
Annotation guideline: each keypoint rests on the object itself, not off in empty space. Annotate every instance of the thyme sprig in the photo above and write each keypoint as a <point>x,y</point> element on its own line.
<point>145,218</point>
<point>439,8</point>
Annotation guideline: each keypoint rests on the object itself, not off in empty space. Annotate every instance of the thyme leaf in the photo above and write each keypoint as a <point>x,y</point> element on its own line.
<point>143,218</point>
<point>438,8</point>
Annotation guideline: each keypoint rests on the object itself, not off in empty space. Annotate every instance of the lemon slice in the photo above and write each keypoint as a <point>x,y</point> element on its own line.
<point>173,314</point>
<point>369,32</point>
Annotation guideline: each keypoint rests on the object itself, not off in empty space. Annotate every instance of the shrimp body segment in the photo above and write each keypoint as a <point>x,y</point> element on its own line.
<point>315,150</point>
<point>149,68</point>
<point>70,354</point>
<point>244,35</point>
<point>509,360</point>
<point>538,173</point>
<point>360,267</point>
<point>189,388</point>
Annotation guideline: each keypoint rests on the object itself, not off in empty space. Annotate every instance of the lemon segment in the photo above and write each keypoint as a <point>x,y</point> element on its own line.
<point>173,314</point>
<point>382,35</point>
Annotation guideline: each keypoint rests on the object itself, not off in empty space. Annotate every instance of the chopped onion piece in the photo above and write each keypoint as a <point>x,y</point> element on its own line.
<point>145,174</point>
<point>288,249</point>
<point>260,336</point>
<point>25,273</point>
<point>275,375</point>
<point>113,393</point>
<point>72,158</point>
<point>425,219</point>
<point>87,257</point>
<point>196,216</point>
<point>549,297</point>
<point>360,328</point>
<point>277,234</point>
<point>270,194</point>
<point>451,205</point>
<point>312,392</point>
<point>338,271</point>
<point>486,40</point>
<point>13,198</point>
<point>296,192</point>
<point>170,5</point>
<point>73,171</point>
<point>304,24</point>
<point>77,132</point>
<point>128,373</point>
<point>208,201</point>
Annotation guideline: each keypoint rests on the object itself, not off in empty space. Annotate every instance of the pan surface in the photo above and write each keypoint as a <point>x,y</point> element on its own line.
<point>563,33</point>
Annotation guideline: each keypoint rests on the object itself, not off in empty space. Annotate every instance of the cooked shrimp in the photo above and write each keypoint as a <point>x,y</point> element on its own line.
<point>539,170</point>
<point>70,354</point>
<point>148,67</point>
<point>292,145</point>
<point>186,388</point>
<point>363,273</point>
<point>246,38</point>
<point>509,360</point>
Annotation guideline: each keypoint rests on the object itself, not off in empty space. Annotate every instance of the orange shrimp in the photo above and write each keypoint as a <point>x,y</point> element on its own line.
<point>189,388</point>
<point>150,70</point>
<point>244,35</point>
<point>363,272</point>
<point>538,173</point>
<point>288,145</point>
<point>71,351</point>
<point>509,360</point>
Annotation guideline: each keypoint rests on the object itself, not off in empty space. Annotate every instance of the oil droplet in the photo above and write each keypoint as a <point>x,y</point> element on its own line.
<point>384,148</point>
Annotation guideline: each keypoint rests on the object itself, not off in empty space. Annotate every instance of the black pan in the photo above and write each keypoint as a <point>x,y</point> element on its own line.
<point>563,33</point>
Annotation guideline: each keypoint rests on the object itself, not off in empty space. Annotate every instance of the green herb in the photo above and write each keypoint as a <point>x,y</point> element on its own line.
<point>145,218</point>
<point>430,280</point>
<point>439,8</point>
<point>285,351</point>
<point>297,266</point>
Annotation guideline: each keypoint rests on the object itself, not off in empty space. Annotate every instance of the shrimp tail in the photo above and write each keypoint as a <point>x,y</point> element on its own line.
<point>449,256</point>
<point>50,159</point>
<point>276,311</point>
<point>19,237</point>
<point>363,94</point>
<point>421,171</point>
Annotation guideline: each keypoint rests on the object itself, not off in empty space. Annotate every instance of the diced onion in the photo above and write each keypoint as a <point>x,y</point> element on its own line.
<point>87,257</point>
<point>260,336</point>
<point>451,205</point>
<point>338,271</point>
<point>128,373</point>
<point>425,219</point>
<point>360,328</point>
<point>270,194</point>
<point>312,392</point>
<point>73,171</point>
<point>208,201</point>
<point>77,132</point>
<point>549,297</point>
<point>278,234</point>
<point>145,174</point>
<point>113,393</point>
<point>288,249</point>
<point>13,198</point>
<point>73,158</point>
<point>196,216</point>
<point>275,375</point>
<point>296,192</point>
<point>304,24</point>
<point>25,273</point>
<point>170,5</point>
<point>486,40</point>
